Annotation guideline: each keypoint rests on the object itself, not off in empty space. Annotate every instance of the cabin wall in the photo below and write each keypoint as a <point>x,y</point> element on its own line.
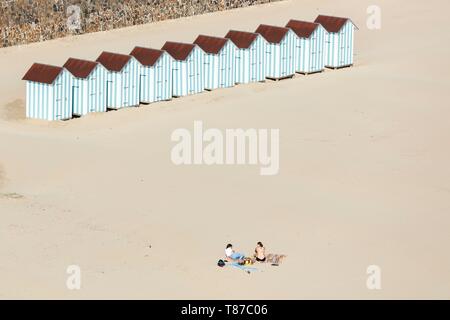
<point>251,62</point>
<point>227,58</point>
<point>257,60</point>
<point>130,84</point>
<point>156,81</point>
<point>123,87</point>
<point>242,59</point>
<point>96,90</point>
<point>211,71</point>
<point>62,108</point>
<point>310,52</point>
<point>188,76</point>
<point>90,93</point>
<point>220,68</point>
<point>50,101</point>
<point>79,99</point>
<point>39,104</point>
<point>340,47</point>
<point>281,57</point>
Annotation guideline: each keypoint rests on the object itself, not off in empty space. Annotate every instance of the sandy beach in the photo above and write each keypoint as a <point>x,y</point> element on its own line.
<point>364,172</point>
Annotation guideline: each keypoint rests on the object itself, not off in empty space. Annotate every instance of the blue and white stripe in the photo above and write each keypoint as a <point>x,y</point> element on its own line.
<point>310,52</point>
<point>188,75</point>
<point>220,67</point>
<point>250,63</point>
<point>50,101</point>
<point>339,46</point>
<point>156,80</point>
<point>281,57</point>
<point>122,88</point>
<point>89,94</point>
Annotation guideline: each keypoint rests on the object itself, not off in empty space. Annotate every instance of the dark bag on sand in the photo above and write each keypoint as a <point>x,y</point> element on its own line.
<point>221,263</point>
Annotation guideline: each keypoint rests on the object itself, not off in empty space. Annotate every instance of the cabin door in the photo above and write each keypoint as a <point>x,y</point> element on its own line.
<point>159,88</point>
<point>75,101</point>
<point>109,94</point>
<point>192,76</point>
<point>341,58</point>
<point>174,80</point>
<point>126,94</point>
<point>254,64</point>
<point>284,59</point>
<point>141,85</point>
<point>313,43</point>
<point>57,107</point>
<point>221,76</point>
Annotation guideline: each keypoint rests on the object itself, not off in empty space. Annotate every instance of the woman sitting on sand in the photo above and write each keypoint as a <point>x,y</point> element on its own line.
<point>232,255</point>
<point>260,252</point>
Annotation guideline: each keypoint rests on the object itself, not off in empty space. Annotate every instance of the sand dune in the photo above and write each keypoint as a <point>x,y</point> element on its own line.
<point>364,176</point>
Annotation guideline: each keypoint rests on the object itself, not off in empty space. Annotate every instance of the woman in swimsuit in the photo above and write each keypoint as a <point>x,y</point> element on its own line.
<point>260,252</point>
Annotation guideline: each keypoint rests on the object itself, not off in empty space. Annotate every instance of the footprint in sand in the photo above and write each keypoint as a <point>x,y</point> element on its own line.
<point>11,195</point>
<point>7,195</point>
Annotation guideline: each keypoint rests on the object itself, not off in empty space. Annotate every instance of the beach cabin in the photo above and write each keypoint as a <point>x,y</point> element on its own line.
<point>219,62</point>
<point>309,46</point>
<point>155,74</point>
<point>280,51</point>
<point>250,62</point>
<point>339,40</point>
<point>122,84</point>
<point>187,69</point>
<point>88,86</point>
<point>49,93</point>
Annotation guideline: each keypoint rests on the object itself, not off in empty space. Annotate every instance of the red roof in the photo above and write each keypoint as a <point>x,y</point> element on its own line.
<point>242,39</point>
<point>210,44</point>
<point>302,29</point>
<point>113,61</point>
<point>272,34</point>
<point>331,24</point>
<point>178,50</point>
<point>42,73</point>
<point>146,56</point>
<point>80,68</point>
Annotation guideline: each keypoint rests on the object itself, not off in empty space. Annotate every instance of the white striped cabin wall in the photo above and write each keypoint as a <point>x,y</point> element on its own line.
<point>123,87</point>
<point>340,46</point>
<point>220,68</point>
<point>89,94</point>
<point>310,52</point>
<point>50,101</point>
<point>251,62</point>
<point>281,57</point>
<point>156,80</point>
<point>188,75</point>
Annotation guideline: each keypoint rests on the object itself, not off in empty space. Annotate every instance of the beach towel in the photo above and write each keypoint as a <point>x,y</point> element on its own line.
<point>243,267</point>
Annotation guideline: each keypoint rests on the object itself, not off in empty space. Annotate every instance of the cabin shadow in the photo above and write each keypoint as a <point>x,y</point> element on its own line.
<point>338,68</point>
<point>282,78</point>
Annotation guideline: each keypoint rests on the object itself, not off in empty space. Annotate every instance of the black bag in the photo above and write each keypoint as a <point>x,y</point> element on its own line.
<point>221,263</point>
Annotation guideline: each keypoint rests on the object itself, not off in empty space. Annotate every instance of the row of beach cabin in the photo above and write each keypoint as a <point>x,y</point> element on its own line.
<point>147,75</point>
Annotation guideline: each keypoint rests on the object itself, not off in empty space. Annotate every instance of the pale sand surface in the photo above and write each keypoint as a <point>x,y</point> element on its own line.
<point>364,173</point>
